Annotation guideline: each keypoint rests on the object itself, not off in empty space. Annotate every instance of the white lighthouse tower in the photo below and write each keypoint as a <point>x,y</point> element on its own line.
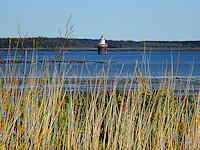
<point>102,46</point>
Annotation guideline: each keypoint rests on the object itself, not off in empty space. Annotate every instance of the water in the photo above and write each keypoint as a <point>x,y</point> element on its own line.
<point>184,63</point>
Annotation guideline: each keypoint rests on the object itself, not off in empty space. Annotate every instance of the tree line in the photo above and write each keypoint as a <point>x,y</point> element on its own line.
<point>44,42</point>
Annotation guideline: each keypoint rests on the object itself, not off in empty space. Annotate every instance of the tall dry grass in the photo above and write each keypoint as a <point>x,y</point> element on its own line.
<point>46,113</point>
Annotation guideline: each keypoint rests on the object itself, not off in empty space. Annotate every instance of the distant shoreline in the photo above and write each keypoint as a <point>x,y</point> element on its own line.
<point>95,49</point>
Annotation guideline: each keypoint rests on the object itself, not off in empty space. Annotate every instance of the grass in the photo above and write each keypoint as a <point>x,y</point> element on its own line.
<point>47,113</point>
<point>45,116</point>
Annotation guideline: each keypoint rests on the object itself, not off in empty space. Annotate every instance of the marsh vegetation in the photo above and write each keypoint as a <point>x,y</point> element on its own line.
<point>47,112</point>
<point>50,114</point>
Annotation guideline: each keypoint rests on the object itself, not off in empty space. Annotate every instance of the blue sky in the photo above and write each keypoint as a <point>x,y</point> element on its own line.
<point>116,19</point>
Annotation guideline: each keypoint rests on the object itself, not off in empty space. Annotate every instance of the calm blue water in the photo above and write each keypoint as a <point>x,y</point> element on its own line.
<point>159,62</point>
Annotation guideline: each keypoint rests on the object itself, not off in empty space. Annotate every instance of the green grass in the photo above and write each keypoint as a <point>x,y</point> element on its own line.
<point>44,116</point>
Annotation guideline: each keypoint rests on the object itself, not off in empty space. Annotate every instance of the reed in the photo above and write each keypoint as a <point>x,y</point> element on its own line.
<point>41,111</point>
<point>47,113</point>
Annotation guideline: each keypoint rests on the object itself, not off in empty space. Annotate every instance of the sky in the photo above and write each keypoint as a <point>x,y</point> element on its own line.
<point>137,20</point>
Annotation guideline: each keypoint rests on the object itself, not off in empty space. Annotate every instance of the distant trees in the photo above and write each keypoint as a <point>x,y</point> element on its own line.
<point>43,42</point>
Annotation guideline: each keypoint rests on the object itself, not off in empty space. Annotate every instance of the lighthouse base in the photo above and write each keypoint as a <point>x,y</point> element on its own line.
<point>102,50</point>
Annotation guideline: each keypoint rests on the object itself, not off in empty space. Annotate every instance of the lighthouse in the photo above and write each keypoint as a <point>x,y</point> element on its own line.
<point>102,46</point>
